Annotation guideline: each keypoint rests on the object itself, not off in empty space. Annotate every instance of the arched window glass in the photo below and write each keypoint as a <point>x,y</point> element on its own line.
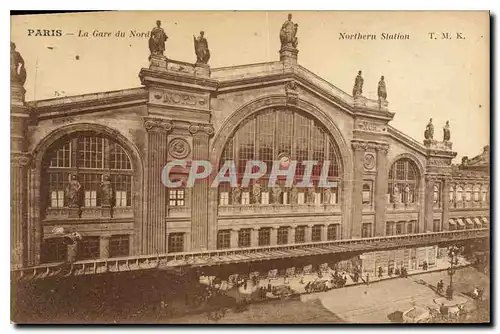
<point>91,159</point>
<point>468,193</point>
<point>403,182</point>
<point>484,193</point>
<point>460,191</point>
<point>452,193</point>
<point>477,190</point>
<point>436,194</point>
<point>272,134</point>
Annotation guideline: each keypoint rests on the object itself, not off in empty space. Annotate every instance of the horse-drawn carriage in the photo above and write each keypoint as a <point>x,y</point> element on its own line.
<point>282,291</point>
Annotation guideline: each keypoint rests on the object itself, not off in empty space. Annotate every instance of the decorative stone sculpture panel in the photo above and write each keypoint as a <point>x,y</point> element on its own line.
<point>181,99</point>
<point>179,148</point>
<point>369,161</point>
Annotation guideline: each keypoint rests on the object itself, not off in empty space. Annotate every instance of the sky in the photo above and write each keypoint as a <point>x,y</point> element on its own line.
<point>443,79</point>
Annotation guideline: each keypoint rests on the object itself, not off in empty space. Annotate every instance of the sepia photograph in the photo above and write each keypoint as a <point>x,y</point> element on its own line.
<point>250,167</point>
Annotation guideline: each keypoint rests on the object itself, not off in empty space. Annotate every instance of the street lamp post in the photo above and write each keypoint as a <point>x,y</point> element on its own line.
<point>453,255</point>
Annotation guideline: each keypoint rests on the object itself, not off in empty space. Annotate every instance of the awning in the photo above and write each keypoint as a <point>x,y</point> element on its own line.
<point>451,221</point>
<point>460,222</point>
<point>485,220</point>
<point>478,222</point>
<point>469,221</point>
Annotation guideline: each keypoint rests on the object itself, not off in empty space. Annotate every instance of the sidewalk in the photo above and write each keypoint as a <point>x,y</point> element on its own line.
<point>297,287</point>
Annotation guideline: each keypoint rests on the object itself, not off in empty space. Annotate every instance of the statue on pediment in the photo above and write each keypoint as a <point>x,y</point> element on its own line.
<point>446,131</point>
<point>327,196</point>
<point>381,89</point>
<point>311,195</point>
<point>201,48</point>
<point>17,69</point>
<point>357,90</point>
<point>429,130</point>
<point>236,194</point>
<point>73,192</point>
<point>256,193</point>
<point>106,191</point>
<point>157,40</point>
<point>288,33</point>
<point>276,192</point>
<point>294,194</point>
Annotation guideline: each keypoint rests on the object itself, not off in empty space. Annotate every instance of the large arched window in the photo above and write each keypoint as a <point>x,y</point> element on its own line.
<point>403,182</point>
<point>270,135</point>
<point>94,161</point>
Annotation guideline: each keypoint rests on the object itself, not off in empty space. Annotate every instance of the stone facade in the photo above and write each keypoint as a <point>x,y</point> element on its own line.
<point>184,111</point>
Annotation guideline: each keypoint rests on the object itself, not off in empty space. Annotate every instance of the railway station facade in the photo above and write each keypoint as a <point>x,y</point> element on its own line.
<point>110,148</point>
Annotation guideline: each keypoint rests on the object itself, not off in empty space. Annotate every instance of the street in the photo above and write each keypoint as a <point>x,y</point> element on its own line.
<point>380,302</point>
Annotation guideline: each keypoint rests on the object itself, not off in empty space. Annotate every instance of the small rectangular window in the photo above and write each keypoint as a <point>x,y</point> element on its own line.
<point>244,237</point>
<point>245,198</point>
<point>175,242</point>
<point>90,198</point>
<point>88,248</point>
<point>282,235</point>
<point>119,245</point>
<point>57,199</point>
<point>300,234</point>
<point>285,198</point>
<point>316,232</point>
<point>224,198</point>
<point>300,198</point>
<point>264,236</point>
<point>264,198</point>
<point>176,197</point>
<point>121,198</point>
<point>223,239</point>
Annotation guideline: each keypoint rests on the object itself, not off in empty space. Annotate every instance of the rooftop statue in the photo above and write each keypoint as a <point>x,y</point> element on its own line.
<point>381,89</point>
<point>357,90</point>
<point>201,48</point>
<point>429,130</point>
<point>446,131</point>
<point>288,33</point>
<point>17,69</point>
<point>157,40</point>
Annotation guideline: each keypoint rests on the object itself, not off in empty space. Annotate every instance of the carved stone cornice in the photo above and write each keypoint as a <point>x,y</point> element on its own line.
<point>158,125</point>
<point>359,146</point>
<point>207,129</point>
<point>20,159</point>
<point>383,148</point>
<point>366,145</point>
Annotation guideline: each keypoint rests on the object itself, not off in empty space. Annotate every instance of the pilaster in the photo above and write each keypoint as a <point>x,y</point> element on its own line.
<point>357,199</point>
<point>154,231</point>
<point>234,238</point>
<point>199,199</point>
<point>104,246</point>
<point>273,236</point>
<point>380,190</point>
<point>308,233</point>
<point>19,160</point>
<point>254,237</point>
<point>429,203</point>
<point>445,200</point>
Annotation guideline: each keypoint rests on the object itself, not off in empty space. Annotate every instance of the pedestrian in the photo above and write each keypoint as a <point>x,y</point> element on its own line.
<point>367,278</point>
<point>380,272</point>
